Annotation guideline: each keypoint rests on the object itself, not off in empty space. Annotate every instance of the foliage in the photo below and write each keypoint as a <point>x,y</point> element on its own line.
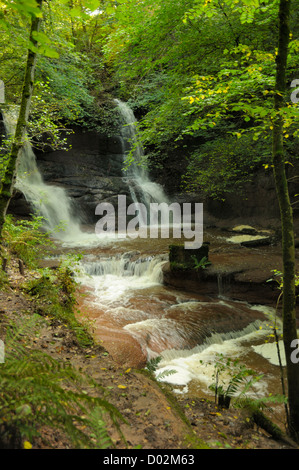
<point>223,164</point>
<point>4,155</point>
<point>67,78</point>
<point>25,239</point>
<point>232,379</point>
<point>206,70</point>
<point>54,292</point>
<point>38,391</point>
<point>153,364</point>
<point>202,263</point>
<point>278,278</point>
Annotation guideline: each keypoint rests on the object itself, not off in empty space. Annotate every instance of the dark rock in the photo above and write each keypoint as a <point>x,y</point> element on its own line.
<point>19,206</point>
<point>91,171</point>
<point>245,229</point>
<point>179,257</point>
<point>257,242</point>
<point>238,273</point>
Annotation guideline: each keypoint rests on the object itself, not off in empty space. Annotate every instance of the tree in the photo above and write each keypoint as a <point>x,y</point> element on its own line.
<point>8,180</point>
<point>209,69</point>
<point>288,248</point>
<point>203,69</point>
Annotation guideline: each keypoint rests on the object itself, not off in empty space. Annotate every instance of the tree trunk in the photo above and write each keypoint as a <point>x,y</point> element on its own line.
<point>288,248</point>
<point>8,180</point>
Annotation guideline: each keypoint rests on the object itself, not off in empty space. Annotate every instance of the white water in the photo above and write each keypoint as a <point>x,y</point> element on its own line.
<point>129,290</point>
<point>111,278</point>
<point>49,201</point>
<point>52,202</point>
<point>198,364</point>
<point>142,189</point>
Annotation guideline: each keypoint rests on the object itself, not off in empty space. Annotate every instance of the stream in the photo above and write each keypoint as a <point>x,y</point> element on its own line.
<point>138,318</point>
<point>131,312</point>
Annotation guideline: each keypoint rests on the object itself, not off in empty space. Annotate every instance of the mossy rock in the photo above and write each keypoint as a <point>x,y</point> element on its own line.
<point>181,258</point>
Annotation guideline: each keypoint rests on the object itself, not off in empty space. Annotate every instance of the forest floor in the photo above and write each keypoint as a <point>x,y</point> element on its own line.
<point>155,417</point>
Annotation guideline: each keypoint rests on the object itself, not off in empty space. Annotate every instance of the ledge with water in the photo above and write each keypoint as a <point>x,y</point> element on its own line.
<point>236,272</point>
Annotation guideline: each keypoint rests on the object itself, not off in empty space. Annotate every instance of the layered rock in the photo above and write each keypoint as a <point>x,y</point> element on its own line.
<point>90,171</point>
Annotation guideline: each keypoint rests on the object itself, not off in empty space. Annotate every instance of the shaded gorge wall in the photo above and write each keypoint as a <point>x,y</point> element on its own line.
<point>91,171</point>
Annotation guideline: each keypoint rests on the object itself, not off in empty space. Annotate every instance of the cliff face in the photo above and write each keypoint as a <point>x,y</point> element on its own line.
<point>91,172</point>
<point>254,202</point>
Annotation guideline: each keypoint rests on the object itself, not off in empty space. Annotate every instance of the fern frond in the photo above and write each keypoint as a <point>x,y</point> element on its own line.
<point>165,373</point>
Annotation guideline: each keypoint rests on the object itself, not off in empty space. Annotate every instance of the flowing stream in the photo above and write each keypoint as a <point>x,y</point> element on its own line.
<point>137,317</point>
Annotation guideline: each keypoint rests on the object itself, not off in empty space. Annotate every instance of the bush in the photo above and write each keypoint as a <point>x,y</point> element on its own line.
<point>25,239</point>
<point>54,293</point>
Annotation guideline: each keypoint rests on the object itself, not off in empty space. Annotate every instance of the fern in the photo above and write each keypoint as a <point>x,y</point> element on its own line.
<point>259,403</point>
<point>202,263</point>
<point>165,373</point>
<point>240,379</point>
<point>36,391</point>
<point>152,366</point>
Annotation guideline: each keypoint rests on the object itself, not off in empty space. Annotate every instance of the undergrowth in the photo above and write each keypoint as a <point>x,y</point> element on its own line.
<point>54,296</point>
<point>37,391</point>
<point>25,239</point>
<point>52,290</point>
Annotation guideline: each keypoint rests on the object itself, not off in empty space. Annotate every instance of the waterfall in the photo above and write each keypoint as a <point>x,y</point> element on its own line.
<point>137,176</point>
<point>50,202</point>
<point>123,266</point>
<point>116,277</point>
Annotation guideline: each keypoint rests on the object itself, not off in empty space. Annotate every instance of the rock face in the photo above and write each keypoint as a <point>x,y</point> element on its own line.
<point>90,171</point>
<point>255,202</point>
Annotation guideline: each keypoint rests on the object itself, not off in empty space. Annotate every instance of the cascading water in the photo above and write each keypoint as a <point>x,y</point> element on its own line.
<point>50,202</point>
<point>187,331</point>
<point>142,189</point>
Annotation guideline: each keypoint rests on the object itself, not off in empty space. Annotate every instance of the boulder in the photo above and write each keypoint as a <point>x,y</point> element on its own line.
<point>181,258</point>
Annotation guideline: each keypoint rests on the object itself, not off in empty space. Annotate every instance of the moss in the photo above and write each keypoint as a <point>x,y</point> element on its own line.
<point>53,295</point>
<point>174,266</point>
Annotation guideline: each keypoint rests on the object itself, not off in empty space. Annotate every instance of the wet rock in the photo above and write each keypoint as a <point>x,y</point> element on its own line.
<point>238,273</point>
<point>260,241</point>
<point>245,229</point>
<point>131,254</point>
<point>91,171</point>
